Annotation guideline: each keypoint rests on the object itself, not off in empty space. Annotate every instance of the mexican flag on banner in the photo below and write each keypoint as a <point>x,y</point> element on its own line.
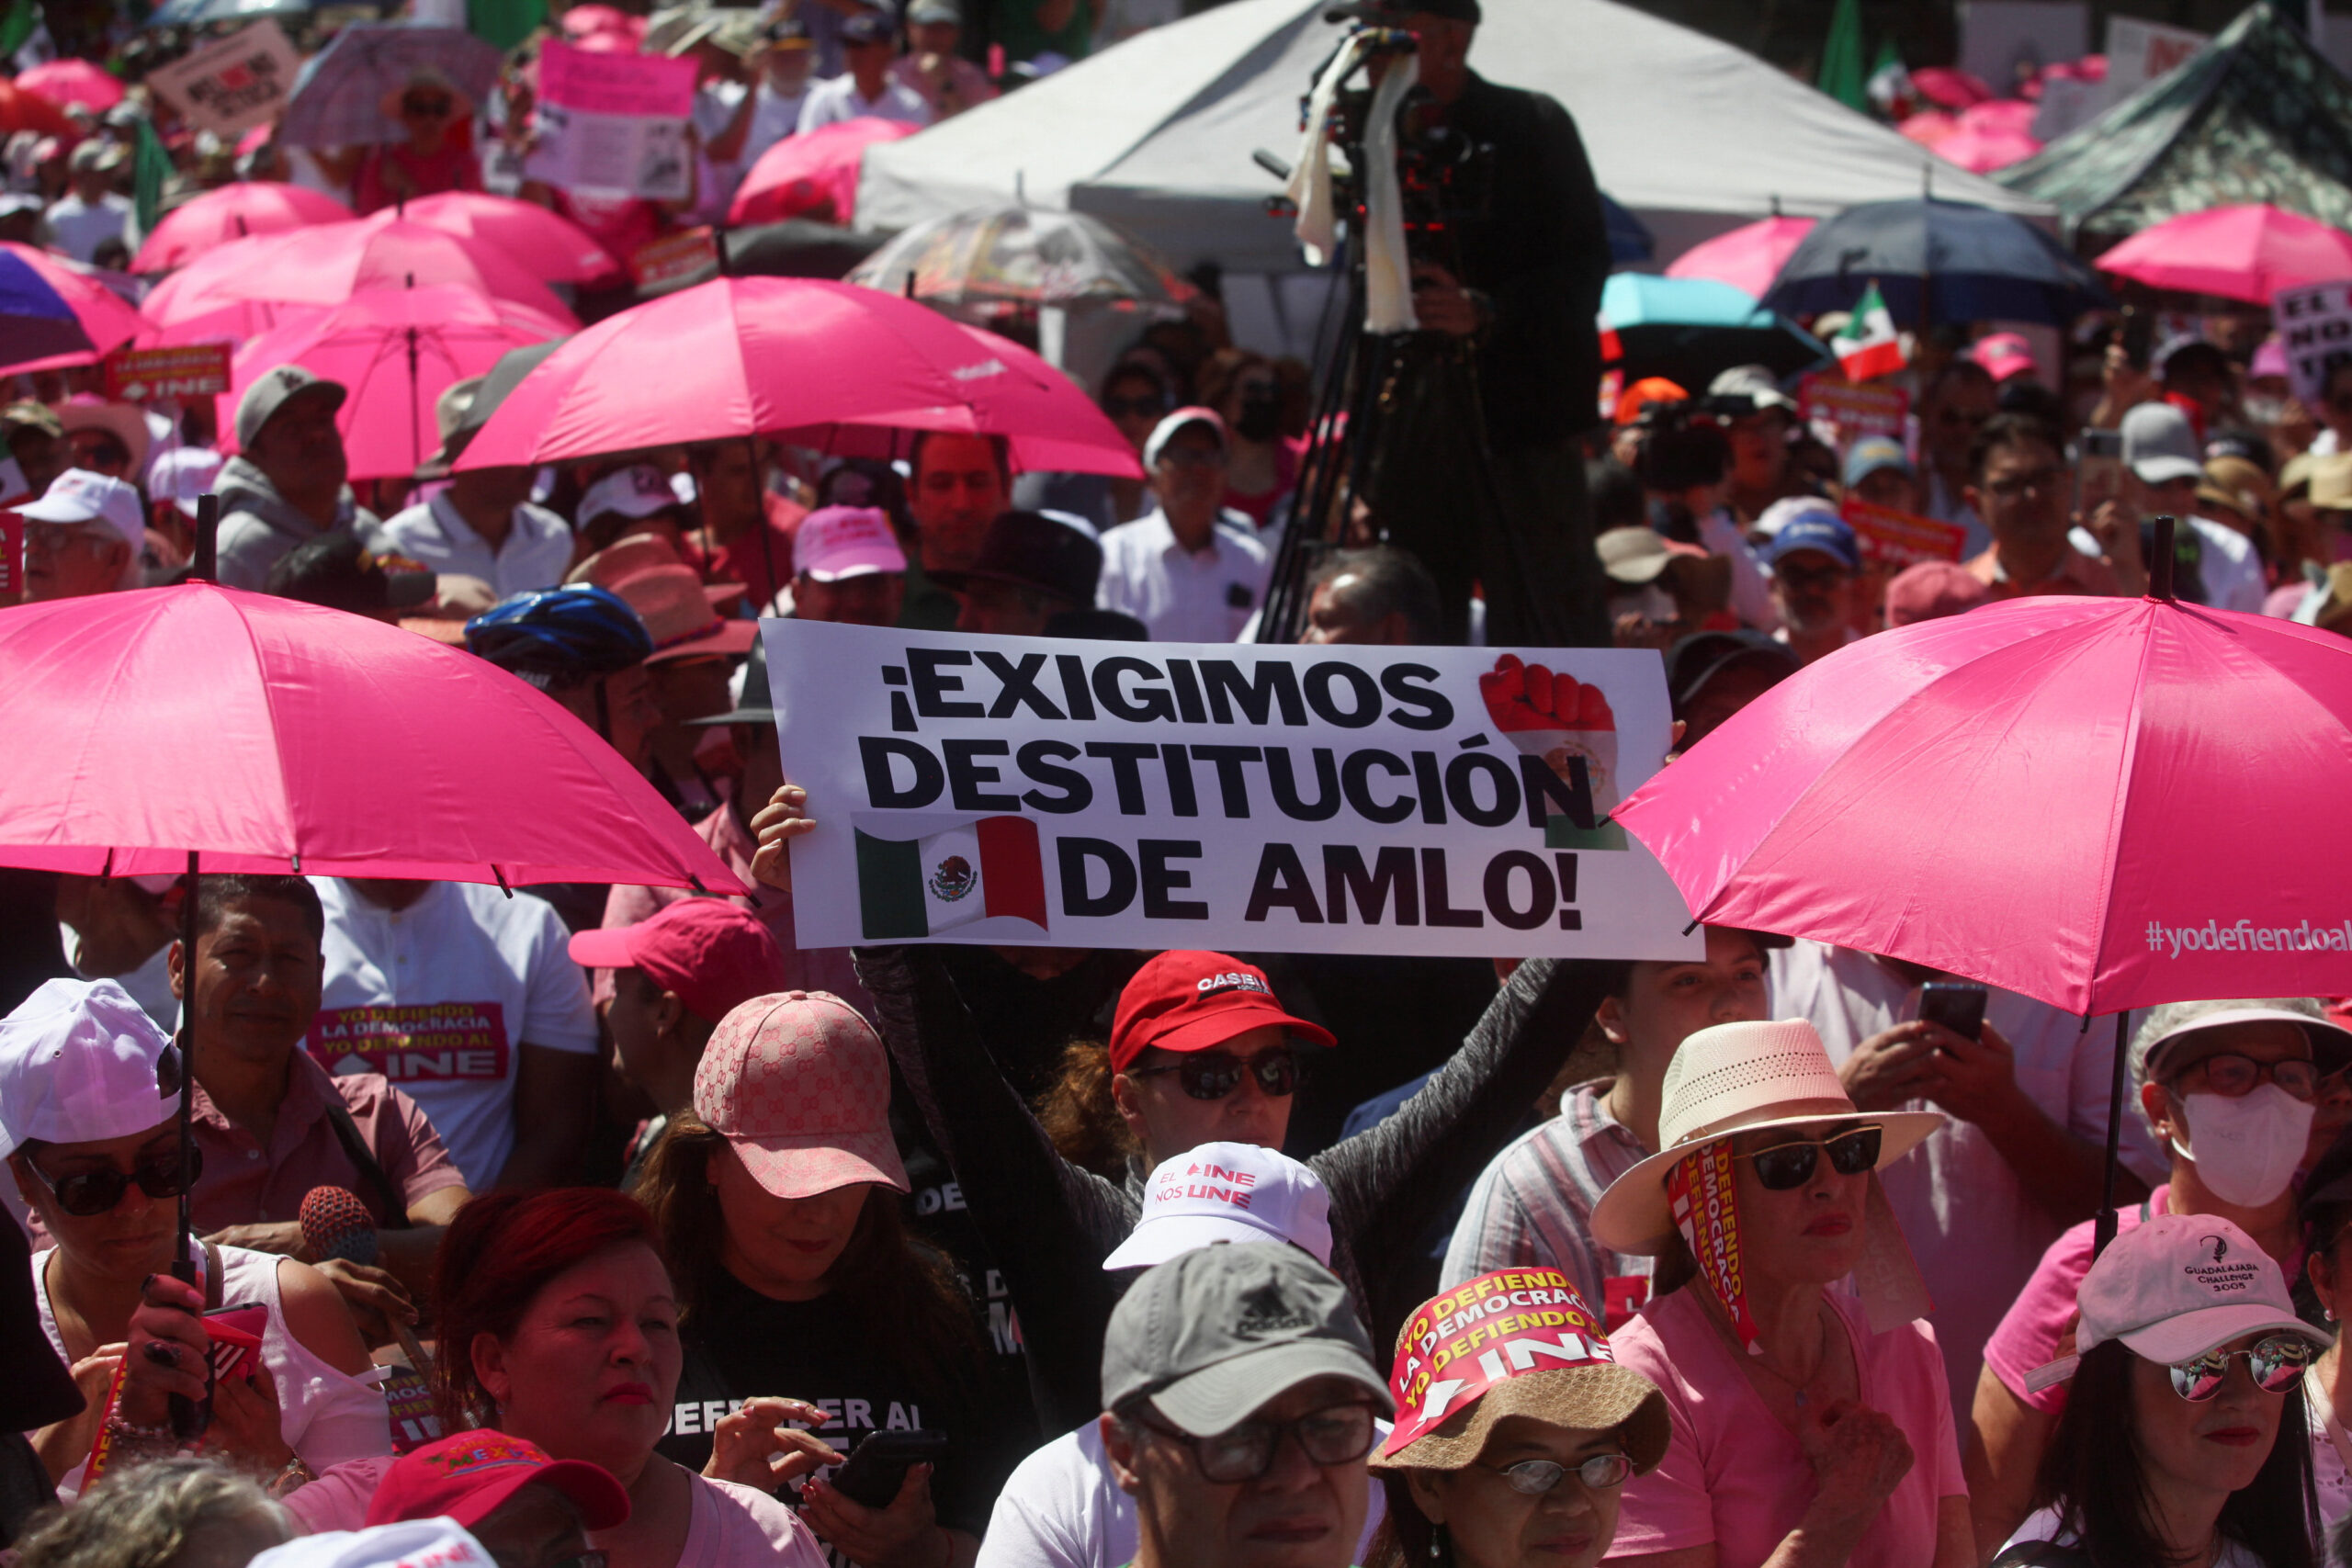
<point>972,871</point>
<point>1868,346</point>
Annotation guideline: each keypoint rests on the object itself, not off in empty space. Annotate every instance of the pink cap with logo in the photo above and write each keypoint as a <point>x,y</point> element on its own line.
<point>835,541</point>
<point>799,1084</point>
<point>1227,1192</point>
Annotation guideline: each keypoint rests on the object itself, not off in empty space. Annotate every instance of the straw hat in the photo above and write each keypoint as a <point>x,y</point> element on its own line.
<point>1738,1077</point>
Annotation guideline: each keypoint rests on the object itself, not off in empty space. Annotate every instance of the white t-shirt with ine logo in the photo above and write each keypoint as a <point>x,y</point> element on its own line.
<point>438,996</point>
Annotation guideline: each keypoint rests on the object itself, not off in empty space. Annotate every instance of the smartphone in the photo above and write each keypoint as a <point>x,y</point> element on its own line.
<point>2139,333</point>
<point>878,1467</point>
<point>1958,1005</point>
<point>2099,474</point>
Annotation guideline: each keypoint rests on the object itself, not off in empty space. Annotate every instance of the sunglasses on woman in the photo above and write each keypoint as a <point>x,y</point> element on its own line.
<point>2275,1364</point>
<point>88,1193</point>
<point>1213,1075</point>
<point>1534,1477</point>
<point>1784,1165</point>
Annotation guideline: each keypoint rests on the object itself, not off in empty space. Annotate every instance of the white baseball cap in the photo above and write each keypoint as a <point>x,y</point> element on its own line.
<point>183,474</point>
<point>1227,1192</point>
<point>638,490</point>
<point>1183,418</point>
<point>2175,1287</point>
<point>78,495</point>
<point>78,1064</point>
<point>411,1543</point>
<point>835,541</point>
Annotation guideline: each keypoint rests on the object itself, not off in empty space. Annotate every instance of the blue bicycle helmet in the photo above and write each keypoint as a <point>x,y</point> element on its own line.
<point>561,637</point>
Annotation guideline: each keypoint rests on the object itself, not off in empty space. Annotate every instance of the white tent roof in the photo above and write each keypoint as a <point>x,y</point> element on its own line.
<point>1155,134</point>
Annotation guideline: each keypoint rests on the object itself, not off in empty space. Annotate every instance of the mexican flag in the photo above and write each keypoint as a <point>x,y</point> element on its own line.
<point>971,870</point>
<point>1868,346</point>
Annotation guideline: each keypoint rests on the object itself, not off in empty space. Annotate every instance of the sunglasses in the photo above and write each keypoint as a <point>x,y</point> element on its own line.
<point>1341,1434</point>
<point>1118,407</point>
<point>2233,1077</point>
<point>1534,1477</point>
<point>1213,1075</point>
<point>426,105</point>
<point>107,452</point>
<point>88,1193</point>
<point>1786,1166</point>
<point>2275,1364</point>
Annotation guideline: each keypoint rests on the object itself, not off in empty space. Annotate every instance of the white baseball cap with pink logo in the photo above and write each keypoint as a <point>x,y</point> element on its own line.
<point>1227,1192</point>
<point>838,542</point>
<point>799,1086</point>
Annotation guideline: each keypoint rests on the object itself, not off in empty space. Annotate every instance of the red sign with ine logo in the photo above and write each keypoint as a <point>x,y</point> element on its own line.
<point>432,1041</point>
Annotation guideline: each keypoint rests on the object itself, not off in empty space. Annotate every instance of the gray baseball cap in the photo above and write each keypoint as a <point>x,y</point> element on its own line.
<point>271,391</point>
<point>1213,1335</point>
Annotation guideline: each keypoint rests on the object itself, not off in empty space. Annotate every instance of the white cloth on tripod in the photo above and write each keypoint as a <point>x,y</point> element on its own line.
<point>1389,293</point>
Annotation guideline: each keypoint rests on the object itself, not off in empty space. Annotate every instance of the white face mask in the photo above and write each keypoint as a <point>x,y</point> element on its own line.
<point>2247,1150</point>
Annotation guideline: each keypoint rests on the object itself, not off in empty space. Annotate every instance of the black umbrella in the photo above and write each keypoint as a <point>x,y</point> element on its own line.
<point>1936,262</point>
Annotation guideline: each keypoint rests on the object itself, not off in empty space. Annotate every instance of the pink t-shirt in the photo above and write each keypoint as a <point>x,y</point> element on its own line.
<point>2043,1317</point>
<point>1734,1476</point>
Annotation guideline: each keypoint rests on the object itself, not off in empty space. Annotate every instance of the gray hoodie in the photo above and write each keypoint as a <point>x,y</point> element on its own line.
<point>257,524</point>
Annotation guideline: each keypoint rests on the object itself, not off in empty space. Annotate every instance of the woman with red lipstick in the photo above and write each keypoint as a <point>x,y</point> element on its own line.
<point>1810,1430</point>
<point>2181,1442</point>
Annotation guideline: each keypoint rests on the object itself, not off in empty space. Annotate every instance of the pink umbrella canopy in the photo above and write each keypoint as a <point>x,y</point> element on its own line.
<point>2247,252</point>
<point>1929,126</point>
<point>275,737</point>
<point>813,175</point>
<point>68,82</point>
<point>1949,87</point>
<point>833,365</point>
<point>2056,795</point>
<point>233,212</point>
<point>545,245</point>
<point>2012,115</point>
<point>328,264</point>
<point>105,315</point>
<point>397,351</point>
<point>1981,150</point>
<point>1748,258</point>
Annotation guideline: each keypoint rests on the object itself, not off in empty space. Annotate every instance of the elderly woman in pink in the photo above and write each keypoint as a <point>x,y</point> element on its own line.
<point>1810,1430</point>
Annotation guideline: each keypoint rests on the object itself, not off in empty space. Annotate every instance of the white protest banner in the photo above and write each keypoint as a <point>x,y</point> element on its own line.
<point>2315,326</point>
<point>612,125</point>
<point>1434,801</point>
<point>230,86</point>
<point>2138,52</point>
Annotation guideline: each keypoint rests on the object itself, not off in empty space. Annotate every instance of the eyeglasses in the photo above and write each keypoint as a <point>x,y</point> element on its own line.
<point>2275,1363</point>
<point>2233,1077</point>
<point>1534,1477</point>
<point>1784,1165</point>
<point>88,1193</point>
<point>2042,481</point>
<point>1213,1075</point>
<point>51,537</point>
<point>1120,407</point>
<point>1338,1434</point>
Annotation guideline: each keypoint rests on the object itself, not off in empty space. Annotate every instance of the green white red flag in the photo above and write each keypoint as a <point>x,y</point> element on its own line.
<point>1868,346</point>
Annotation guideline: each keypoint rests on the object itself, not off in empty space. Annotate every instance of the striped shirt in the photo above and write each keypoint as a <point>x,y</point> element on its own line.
<point>1533,1204</point>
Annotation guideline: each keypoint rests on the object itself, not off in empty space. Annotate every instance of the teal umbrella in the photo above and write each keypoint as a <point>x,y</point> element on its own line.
<point>1689,330</point>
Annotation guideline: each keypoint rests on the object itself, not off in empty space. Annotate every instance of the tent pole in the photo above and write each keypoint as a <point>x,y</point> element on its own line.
<point>2103,1228</point>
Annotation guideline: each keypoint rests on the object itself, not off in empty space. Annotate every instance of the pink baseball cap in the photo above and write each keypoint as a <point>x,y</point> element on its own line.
<point>835,541</point>
<point>2003,354</point>
<point>1216,1192</point>
<point>799,1084</point>
<point>713,955</point>
<point>1929,590</point>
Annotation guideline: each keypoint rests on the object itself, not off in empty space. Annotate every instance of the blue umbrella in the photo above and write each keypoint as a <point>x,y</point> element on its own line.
<point>35,320</point>
<point>1689,330</point>
<point>1962,261</point>
<point>1629,239</point>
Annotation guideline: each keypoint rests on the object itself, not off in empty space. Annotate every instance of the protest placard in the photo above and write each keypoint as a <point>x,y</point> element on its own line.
<point>674,256</point>
<point>2138,52</point>
<point>137,375</point>
<point>1300,799</point>
<point>230,86</point>
<point>613,125</point>
<point>2315,327</point>
<point>1841,413</point>
<point>1897,540</point>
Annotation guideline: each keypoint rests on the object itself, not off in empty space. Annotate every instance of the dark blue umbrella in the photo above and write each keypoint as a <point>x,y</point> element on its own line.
<point>1971,263</point>
<point>1629,239</point>
<point>36,322</point>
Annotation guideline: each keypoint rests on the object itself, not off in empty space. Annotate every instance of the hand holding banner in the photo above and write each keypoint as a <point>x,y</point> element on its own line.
<point>1310,799</point>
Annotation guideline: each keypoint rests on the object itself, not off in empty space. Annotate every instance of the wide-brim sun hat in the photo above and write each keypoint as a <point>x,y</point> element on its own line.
<point>1590,1399</point>
<point>1738,1077</point>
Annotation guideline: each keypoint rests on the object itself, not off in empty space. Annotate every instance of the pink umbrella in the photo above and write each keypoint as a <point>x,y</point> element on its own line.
<point>813,175</point>
<point>831,361</point>
<point>66,83</point>
<point>2238,253</point>
<point>231,212</point>
<point>1982,150</point>
<point>108,319</point>
<point>1930,127</point>
<point>1748,258</point>
<point>1953,88</point>
<point>330,261</point>
<point>297,738</point>
<point>548,245</point>
<point>397,350</point>
<point>2011,115</point>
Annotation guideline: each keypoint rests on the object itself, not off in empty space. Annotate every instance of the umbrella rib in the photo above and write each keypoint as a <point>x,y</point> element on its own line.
<point>269,698</point>
<point>2120,797</point>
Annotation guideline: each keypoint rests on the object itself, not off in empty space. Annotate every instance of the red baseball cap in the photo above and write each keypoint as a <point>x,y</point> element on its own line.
<point>1197,1001</point>
<point>467,1477</point>
<point>713,955</point>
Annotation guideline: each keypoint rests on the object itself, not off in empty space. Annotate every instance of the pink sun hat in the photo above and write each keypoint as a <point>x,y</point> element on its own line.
<point>799,1086</point>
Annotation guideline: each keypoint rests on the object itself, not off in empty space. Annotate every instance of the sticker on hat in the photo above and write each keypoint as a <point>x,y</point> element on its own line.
<point>1568,725</point>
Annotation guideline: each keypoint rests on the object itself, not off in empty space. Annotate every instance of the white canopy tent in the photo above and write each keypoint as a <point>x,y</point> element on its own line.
<point>1155,135</point>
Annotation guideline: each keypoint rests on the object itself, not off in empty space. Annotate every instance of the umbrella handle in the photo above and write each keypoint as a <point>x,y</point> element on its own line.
<point>189,1416</point>
<point>2160,566</point>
